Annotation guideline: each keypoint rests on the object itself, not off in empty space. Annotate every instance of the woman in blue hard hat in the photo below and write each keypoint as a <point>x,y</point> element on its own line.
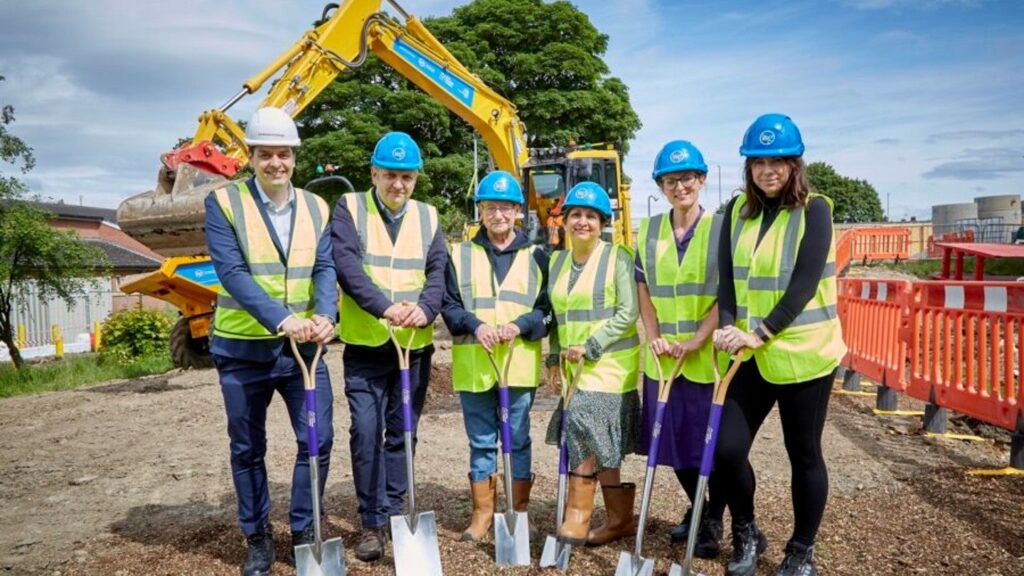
<point>677,284</point>
<point>593,296</point>
<point>496,293</point>
<point>777,309</point>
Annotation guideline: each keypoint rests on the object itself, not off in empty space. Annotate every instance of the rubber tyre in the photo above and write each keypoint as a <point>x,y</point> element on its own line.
<point>187,352</point>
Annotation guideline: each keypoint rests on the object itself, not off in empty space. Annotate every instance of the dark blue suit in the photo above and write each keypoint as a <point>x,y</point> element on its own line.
<point>251,371</point>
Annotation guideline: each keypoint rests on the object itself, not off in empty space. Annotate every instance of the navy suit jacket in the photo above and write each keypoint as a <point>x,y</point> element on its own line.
<point>233,273</point>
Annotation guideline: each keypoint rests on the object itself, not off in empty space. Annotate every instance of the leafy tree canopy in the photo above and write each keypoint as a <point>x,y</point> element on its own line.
<point>546,58</point>
<point>855,200</point>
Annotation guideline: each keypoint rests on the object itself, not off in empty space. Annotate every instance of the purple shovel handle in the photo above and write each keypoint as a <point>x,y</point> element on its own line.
<point>659,418</point>
<point>407,420</point>
<point>563,451</point>
<point>311,437</point>
<point>711,440</point>
<point>506,430</point>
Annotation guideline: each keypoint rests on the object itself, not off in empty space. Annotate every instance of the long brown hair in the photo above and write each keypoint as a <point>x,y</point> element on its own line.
<point>794,193</point>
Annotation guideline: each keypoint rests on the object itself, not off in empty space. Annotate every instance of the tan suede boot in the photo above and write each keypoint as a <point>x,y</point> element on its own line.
<point>578,508</point>
<point>484,493</point>
<point>618,501</point>
<point>521,501</point>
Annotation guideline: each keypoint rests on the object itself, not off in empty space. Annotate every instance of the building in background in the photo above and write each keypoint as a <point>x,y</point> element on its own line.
<point>37,315</point>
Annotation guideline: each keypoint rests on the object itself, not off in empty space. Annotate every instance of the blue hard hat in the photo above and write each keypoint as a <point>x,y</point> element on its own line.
<point>397,151</point>
<point>677,156</point>
<point>772,135</point>
<point>499,186</point>
<point>588,195</point>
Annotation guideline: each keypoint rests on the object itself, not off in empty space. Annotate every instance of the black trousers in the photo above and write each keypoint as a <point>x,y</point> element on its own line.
<point>802,409</point>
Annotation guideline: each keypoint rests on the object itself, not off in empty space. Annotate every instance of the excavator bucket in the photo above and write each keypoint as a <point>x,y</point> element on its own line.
<point>170,218</point>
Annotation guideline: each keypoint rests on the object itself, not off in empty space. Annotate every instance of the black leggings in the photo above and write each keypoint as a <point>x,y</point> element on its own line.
<point>802,409</point>
<point>715,507</point>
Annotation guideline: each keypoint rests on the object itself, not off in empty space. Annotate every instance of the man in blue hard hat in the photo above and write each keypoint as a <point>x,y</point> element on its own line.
<point>496,293</point>
<point>390,256</point>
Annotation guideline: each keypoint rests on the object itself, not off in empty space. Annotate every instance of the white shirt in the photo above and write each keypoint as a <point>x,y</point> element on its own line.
<point>280,217</point>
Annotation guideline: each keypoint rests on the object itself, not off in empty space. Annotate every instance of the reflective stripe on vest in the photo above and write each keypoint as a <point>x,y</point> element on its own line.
<point>812,345</point>
<point>397,268</point>
<point>586,309</point>
<point>683,293</point>
<point>291,285</point>
<point>495,305</point>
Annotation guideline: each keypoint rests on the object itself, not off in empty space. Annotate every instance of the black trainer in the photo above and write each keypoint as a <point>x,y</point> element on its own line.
<point>748,543</point>
<point>371,544</point>
<point>799,561</point>
<point>300,538</point>
<point>260,555</point>
<point>682,530</point>
<point>709,539</point>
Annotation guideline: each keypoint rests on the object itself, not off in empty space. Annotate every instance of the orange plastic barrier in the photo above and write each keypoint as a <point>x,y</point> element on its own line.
<point>875,243</point>
<point>873,314</point>
<point>881,243</point>
<point>964,342</point>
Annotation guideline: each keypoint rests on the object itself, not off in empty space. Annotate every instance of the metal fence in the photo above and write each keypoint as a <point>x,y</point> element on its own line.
<point>987,230</point>
<point>38,315</point>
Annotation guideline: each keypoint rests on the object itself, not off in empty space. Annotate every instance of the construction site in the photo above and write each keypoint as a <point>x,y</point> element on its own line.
<point>923,440</point>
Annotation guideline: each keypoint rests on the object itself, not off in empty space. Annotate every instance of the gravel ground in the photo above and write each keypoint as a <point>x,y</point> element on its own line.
<point>132,478</point>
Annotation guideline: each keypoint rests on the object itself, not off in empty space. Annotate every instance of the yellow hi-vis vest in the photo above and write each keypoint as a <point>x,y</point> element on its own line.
<point>291,284</point>
<point>397,268</point>
<point>812,345</point>
<point>683,293</point>
<point>495,305</point>
<point>585,310</point>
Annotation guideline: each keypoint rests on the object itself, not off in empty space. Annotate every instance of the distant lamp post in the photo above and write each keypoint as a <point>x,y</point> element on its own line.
<point>649,198</point>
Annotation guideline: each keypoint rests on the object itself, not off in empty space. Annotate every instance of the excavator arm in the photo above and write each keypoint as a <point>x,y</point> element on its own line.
<point>169,219</point>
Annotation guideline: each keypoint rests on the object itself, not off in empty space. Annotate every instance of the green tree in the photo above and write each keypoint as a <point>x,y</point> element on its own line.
<point>546,58</point>
<point>855,200</point>
<point>56,262</point>
<point>15,152</point>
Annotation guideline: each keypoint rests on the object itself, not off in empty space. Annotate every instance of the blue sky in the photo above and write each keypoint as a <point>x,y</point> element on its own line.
<point>922,98</point>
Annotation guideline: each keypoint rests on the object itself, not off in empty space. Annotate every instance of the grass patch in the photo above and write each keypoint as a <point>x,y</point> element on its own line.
<point>929,268</point>
<point>75,371</point>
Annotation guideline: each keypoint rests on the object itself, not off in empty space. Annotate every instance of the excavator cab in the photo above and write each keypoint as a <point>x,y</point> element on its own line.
<point>553,172</point>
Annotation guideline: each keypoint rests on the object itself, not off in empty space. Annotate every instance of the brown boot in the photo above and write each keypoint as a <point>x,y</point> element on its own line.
<point>521,501</point>
<point>579,505</point>
<point>618,501</point>
<point>484,493</point>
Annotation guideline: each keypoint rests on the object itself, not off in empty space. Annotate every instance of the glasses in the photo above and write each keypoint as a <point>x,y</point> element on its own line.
<point>673,181</point>
<point>491,210</point>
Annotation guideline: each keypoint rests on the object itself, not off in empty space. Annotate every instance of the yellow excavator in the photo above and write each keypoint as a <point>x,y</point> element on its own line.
<point>170,218</point>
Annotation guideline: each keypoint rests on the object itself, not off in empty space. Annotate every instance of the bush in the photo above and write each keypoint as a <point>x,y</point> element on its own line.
<point>132,334</point>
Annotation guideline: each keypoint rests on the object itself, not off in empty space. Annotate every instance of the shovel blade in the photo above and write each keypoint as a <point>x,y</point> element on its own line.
<point>332,559</point>
<point>555,554</point>
<point>630,565</point>
<point>677,570</point>
<point>512,546</point>
<point>415,547</point>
